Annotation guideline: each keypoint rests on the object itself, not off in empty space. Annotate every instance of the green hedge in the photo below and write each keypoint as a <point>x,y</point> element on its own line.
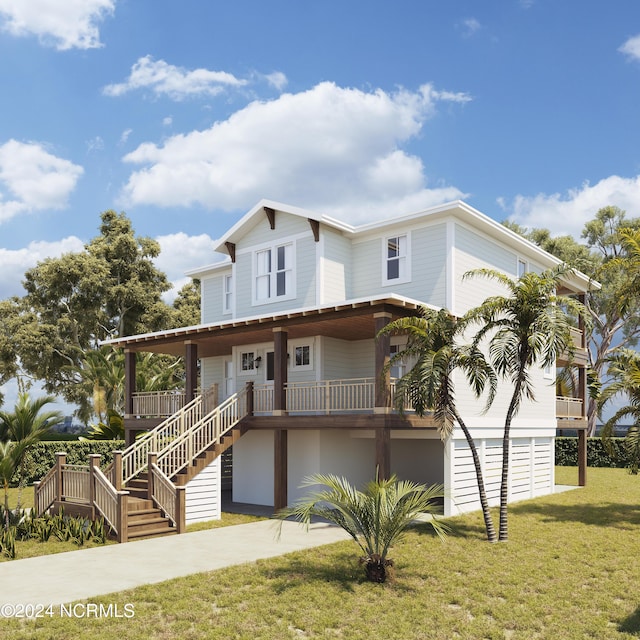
<point>597,456</point>
<point>42,456</point>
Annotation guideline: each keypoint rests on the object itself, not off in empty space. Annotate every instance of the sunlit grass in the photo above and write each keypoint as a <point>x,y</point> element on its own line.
<point>569,571</point>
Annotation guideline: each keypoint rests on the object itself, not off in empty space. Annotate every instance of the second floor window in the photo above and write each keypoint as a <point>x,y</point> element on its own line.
<point>227,298</point>
<point>396,255</point>
<point>274,273</point>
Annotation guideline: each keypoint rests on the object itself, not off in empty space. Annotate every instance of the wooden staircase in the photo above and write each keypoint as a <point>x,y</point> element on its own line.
<point>146,521</point>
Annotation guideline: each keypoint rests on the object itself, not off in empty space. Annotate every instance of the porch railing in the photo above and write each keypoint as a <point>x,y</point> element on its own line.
<point>158,403</point>
<point>330,396</point>
<point>569,407</point>
<point>187,446</point>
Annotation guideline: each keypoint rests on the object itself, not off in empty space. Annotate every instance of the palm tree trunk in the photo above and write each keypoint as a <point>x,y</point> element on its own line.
<point>486,513</point>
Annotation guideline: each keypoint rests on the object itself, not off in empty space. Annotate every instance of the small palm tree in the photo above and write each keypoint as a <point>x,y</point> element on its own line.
<point>25,426</point>
<point>432,342</point>
<point>375,518</point>
<point>529,326</point>
<point>624,368</point>
<point>10,453</point>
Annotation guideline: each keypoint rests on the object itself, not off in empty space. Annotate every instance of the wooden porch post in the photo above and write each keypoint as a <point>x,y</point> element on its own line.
<point>280,469</point>
<point>152,458</point>
<point>129,381</point>
<point>191,370</point>
<point>94,461</point>
<point>117,470</point>
<point>382,402</point>
<point>582,457</point>
<point>250,404</point>
<point>61,460</point>
<point>279,371</point>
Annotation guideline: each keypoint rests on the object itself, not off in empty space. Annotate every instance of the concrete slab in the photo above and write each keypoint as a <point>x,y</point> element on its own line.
<point>76,575</point>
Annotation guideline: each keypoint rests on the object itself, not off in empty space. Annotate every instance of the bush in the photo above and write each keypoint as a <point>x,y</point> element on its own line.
<point>42,456</point>
<point>597,455</point>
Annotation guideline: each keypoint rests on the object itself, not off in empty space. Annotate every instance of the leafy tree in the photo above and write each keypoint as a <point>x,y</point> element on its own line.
<point>528,327</point>
<point>624,370</point>
<point>186,306</point>
<point>25,426</point>
<point>375,518</point>
<point>112,288</point>
<point>10,452</point>
<point>614,310</point>
<point>432,343</point>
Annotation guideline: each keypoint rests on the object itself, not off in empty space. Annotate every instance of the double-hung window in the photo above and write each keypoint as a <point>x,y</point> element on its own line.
<point>273,269</point>
<point>227,295</point>
<point>396,259</point>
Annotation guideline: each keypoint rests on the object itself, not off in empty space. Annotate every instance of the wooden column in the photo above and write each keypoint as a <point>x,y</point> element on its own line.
<point>152,458</point>
<point>582,457</point>
<point>191,370</point>
<point>94,461</point>
<point>129,382</point>
<point>382,402</point>
<point>117,470</point>
<point>280,469</point>
<point>61,460</point>
<point>279,371</point>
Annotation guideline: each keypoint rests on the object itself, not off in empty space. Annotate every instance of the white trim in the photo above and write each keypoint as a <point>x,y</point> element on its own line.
<point>272,274</point>
<point>450,269</point>
<point>320,274</point>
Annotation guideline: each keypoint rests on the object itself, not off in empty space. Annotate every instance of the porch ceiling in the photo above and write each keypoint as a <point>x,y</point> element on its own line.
<point>347,322</point>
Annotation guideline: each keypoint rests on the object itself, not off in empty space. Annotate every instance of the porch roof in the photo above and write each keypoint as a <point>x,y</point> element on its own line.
<point>347,320</point>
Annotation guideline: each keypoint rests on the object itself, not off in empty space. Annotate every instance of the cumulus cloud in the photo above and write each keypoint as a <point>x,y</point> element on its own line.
<point>631,48</point>
<point>316,148</point>
<point>34,179</point>
<point>175,82</point>
<point>14,263</point>
<point>567,213</point>
<point>65,24</point>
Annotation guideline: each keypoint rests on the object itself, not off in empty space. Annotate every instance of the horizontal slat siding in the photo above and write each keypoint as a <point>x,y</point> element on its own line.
<point>211,294</point>
<point>203,495</point>
<point>336,265</point>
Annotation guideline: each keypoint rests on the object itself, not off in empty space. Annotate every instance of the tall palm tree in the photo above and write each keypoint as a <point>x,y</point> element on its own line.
<point>26,425</point>
<point>375,518</point>
<point>432,343</point>
<point>624,369</point>
<point>530,326</point>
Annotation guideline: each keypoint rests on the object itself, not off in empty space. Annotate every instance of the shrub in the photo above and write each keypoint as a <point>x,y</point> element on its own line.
<point>597,455</point>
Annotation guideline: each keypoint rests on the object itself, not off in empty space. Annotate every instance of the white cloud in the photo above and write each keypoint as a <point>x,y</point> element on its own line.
<point>470,26</point>
<point>176,82</point>
<point>124,136</point>
<point>65,24</point>
<point>632,48</point>
<point>277,80</point>
<point>14,263</point>
<point>95,144</point>
<point>167,122</point>
<point>318,148</point>
<point>34,178</point>
<point>567,214</point>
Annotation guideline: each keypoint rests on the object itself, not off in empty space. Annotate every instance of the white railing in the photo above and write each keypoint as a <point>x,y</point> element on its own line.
<point>158,403</point>
<point>202,435</point>
<point>164,493</point>
<point>263,398</point>
<point>75,483</point>
<point>331,396</point>
<point>106,499</point>
<point>46,491</point>
<point>134,457</point>
<point>406,401</point>
<point>569,407</point>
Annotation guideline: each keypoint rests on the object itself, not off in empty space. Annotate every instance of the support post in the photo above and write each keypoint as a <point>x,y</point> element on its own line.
<point>117,470</point>
<point>280,469</point>
<point>122,517</point>
<point>279,371</point>
<point>129,381</point>
<point>582,457</point>
<point>181,509</point>
<point>382,403</point>
<point>191,370</point>
<point>94,461</point>
<point>250,402</point>
<point>383,453</point>
<point>152,458</point>
<point>61,460</point>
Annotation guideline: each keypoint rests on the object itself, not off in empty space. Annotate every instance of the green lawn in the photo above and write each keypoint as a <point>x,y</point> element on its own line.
<point>570,570</point>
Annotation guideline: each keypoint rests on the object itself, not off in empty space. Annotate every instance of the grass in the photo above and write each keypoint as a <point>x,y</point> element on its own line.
<point>569,571</point>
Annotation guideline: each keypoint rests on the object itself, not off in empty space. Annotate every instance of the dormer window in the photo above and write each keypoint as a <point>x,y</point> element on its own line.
<point>396,259</point>
<point>273,271</point>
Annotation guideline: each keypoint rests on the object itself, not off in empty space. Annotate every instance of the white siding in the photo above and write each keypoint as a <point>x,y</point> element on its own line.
<point>286,225</point>
<point>202,497</point>
<point>336,266</point>
<point>347,359</point>
<point>211,298</point>
<point>253,468</point>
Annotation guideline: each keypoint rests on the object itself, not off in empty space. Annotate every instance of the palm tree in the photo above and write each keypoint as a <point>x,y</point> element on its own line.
<point>10,453</point>
<point>432,342</point>
<point>530,326</point>
<point>624,368</point>
<point>375,518</point>
<point>25,426</point>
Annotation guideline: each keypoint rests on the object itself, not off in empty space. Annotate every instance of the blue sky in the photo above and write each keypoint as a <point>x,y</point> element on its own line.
<point>185,114</point>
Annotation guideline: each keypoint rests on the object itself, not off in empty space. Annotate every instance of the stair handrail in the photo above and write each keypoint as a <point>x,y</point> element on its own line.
<point>106,499</point>
<point>46,491</point>
<point>167,496</point>
<point>203,434</point>
<point>134,457</point>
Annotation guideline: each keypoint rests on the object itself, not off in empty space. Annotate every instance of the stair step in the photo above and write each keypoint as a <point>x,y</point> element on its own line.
<point>159,531</point>
<point>138,504</point>
<point>149,522</point>
<point>144,515</point>
<point>137,483</point>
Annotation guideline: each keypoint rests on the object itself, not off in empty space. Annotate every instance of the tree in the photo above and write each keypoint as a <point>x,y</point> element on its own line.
<point>624,370</point>
<point>186,306</point>
<point>25,426</point>
<point>613,310</point>
<point>375,518</point>
<point>111,288</point>
<point>529,326</point>
<point>432,343</point>
<point>10,452</point>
